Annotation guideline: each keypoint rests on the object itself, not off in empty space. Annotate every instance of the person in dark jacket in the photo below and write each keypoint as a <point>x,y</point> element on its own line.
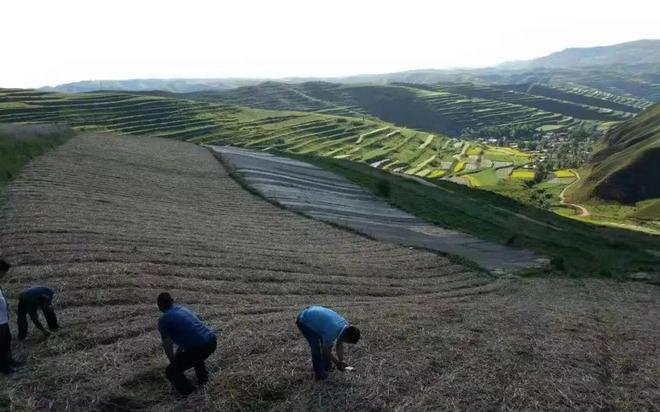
<point>195,342</point>
<point>29,301</point>
<point>6,362</point>
<point>324,329</point>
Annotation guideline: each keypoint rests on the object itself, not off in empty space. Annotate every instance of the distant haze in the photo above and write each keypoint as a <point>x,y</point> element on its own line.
<point>52,42</point>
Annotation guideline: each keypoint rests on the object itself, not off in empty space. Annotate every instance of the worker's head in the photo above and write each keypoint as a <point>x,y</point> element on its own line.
<point>4,267</point>
<point>350,335</point>
<point>165,301</point>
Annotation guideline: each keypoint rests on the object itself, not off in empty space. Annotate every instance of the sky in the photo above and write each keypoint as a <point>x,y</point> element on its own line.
<point>52,42</point>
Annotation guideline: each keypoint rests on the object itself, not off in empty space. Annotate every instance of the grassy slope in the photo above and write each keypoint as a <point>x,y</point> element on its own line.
<point>623,169</point>
<point>21,143</point>
<point>649,209</point>
<point>580,248</point>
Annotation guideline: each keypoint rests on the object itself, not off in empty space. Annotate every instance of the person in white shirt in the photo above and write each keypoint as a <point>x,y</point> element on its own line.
<point>6,362</point>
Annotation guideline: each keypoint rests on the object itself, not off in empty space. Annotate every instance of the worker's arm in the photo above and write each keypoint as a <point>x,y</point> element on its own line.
<point>326,352</point>
<point>339,348</point>
<point>37,323</point>
<point>339,360</point>
<point>168,347</point>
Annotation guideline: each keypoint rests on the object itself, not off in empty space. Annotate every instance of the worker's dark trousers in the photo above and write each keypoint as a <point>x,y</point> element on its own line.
<point>21,321</point>
<point>321,366</point>
<point>186,359</point>
<point>5,347</point>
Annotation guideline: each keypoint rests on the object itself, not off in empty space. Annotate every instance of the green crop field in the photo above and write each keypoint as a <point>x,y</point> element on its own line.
<point>563,174</point>
<point>486,177</point>
<point>522,174</point>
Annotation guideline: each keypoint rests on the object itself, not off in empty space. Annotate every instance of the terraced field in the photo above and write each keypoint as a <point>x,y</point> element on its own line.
<point>109,222</point>
<point>360,139</point>
<point>583,95</point>
<point>545,103</point>
<point>447,108</point>
<point>122,113</point>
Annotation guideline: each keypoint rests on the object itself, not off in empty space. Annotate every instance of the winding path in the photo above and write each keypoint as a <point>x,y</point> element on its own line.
<point>582,211</point>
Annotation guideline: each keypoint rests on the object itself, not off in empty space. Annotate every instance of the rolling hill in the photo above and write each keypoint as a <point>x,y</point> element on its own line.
<point>447,108</point>
<point>360,139</point>
<point>625,168</point>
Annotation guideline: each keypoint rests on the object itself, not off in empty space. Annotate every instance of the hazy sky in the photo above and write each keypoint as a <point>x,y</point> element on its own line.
<point>50,42</point>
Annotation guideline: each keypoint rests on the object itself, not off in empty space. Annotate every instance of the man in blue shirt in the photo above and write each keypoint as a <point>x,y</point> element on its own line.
<point>195,342</point>
<point>29,301</point>
<point>324,328</point>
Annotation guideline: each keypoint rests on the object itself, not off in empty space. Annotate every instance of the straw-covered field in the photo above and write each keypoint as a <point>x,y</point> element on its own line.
<point>108,222</point>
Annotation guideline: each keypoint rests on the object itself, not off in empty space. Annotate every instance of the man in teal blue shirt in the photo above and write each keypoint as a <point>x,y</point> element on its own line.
<point>195,342</point>
<point>324,328</point>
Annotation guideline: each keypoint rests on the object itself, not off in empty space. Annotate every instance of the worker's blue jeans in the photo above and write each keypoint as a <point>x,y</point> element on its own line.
<point>321,366</point>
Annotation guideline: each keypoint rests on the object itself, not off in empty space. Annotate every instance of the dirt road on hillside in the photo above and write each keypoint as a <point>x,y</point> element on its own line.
<point>109,222</point>
<point>582,211</point>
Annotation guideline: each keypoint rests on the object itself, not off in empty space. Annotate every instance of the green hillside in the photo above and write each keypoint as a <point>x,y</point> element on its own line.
<point>447,108</point>
<point>625,168</point>
<point>574,246</point>
<point>364,139</point>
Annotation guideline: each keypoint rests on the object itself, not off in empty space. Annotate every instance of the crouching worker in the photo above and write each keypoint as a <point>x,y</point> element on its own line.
<point>195,342</point>
<point>7,364</point>
<point>29,301</point>
<point>324,328</point>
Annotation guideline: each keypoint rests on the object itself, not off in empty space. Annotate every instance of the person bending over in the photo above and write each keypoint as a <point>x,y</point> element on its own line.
<point>7,363</point>
<point>195,342</point>
<point>324,328</point>
<point>29,301</point>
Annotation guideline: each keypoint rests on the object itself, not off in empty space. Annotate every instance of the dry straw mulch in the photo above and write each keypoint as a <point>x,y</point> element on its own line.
<point>108,222</point>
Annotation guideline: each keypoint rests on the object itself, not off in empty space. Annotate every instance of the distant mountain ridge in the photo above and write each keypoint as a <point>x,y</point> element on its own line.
<point>639,52</point>
<point>168,85</point>
<point>631,69</point>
